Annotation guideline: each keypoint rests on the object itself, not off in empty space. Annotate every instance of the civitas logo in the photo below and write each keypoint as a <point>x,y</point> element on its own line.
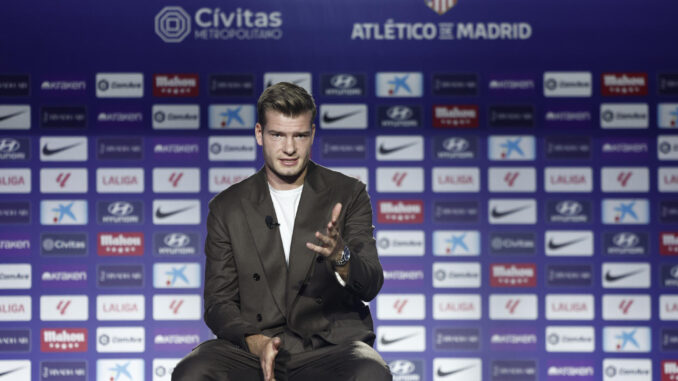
<point>401,211</point>
<point>441,6</point>
<point>63,340</point>
<point>120,244</point>
<point>172,24</point>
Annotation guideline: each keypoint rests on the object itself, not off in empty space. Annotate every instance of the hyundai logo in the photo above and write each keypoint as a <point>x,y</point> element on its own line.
<point>569,208</point>
<point>674,272</point>
<point>625,240</point>
<point>176,240</point>
<point>399,113</point>
<point>120,208</point>
<point>401,367</point>
<point>8,145</point>
<point>455,144</point>
<point>343,81</point>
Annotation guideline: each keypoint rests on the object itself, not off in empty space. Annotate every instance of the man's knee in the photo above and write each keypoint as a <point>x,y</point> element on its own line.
<point>369,369</point>
<point>191,368</point>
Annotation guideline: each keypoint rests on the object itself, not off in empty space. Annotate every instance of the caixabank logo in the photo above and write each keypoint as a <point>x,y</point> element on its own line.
<point>173,24</point>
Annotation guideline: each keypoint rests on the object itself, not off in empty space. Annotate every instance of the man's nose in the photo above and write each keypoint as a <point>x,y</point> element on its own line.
<point>288,146</point>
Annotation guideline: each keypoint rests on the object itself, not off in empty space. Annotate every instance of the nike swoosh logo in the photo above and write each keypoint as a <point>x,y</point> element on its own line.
<point>331,119</point>
<point>443,374</point>
<point>498,214</point>
<point>10,371</point>
<point>160,214</point>
<point>385,151</point>
<point>48,152</point>
<point>385,341</point>
<point>613,278</point>
<point>8,116</point>
<point>556,246</point>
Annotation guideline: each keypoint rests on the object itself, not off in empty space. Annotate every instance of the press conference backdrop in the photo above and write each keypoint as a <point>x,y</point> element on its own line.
<point>521,158</point>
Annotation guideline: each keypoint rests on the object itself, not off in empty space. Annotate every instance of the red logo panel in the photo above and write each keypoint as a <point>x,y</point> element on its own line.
<point>120,244</point>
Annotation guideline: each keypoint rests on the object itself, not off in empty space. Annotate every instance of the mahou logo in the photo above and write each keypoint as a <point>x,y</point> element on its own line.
<point>669,370</point>
<point>668,243</point>
<point>401,212</point>
<point>175,85</point>
<point>63,340</point>
<point>513,275</point>
<point>120,244</point>
<point>455,116</point>
<point>624,84</point>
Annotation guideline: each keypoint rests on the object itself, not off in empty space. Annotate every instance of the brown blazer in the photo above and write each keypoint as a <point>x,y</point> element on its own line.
<point>249,289</point>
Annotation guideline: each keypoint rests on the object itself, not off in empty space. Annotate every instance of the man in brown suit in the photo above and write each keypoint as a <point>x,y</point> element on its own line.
<point>291,259</point>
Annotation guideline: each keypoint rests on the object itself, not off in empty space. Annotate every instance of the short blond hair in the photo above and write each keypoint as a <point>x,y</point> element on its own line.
<point>286,98</point>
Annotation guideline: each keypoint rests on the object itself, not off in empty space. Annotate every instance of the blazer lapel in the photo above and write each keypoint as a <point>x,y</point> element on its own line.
<point>312,215</point>
<point>267,241</point>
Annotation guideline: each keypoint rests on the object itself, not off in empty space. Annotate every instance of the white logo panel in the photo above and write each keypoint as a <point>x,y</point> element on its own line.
<point>456,275</point>
<point>222,178</point>
<point>15,117</point>
<point>512,211</point>
<point>63,212</point>
<point>232,117</point>
<point>401,338</point>
<point>667,179</point>
<point>16,276</point>
<point>15,308</point>
<point>568,179</point>
<point>570,339</point>
<point>628,339</point>
<point>176,180</point>
<point>667,147</point>
<point>121,307</point>
<point>512,179</point>
<point>176,275</point>
<point>120,85</point>
<point>455,179</point>
<point>121,339</point>
<point>668,307</point>
<point>625,179</point>
<point>63,180</point>
<point>64,308</point>
<point>163,368</point>
<point>511,147</point>
<point>457,369</point>
<point>570,307</point>
<point>15,370</point>
<point>401,179</point>
<point>176,212</point>
<point>232,148</point>
<point>110,369</point>
<point>457,307</point>
<point>175,117</point>
<point>399,84</point>
<point>343,116</point>
<point>568,84</point>
<point>513,307</point>
<point>627,307</point>
<point>626,275</point>
<point>16,180</point>
<point>177,307</point>
<point>396,243</point>
<point>301,79</point>
<point>667,115</point>
<point>400,148</point>
<point>456,243</point>
<point>66,148</point>
<point>627,369</point>
<point>120,180</point>
<point>401,306</point>
<point>358,173</point>
<point>626,211</point>
<point>624,115</point>
<point>577,243</point>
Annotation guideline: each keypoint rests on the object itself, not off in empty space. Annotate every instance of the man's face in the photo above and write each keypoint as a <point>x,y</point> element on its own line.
<point>286,144</point>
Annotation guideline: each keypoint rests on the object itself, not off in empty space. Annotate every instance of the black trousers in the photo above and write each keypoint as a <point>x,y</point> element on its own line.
<point>219,360</point>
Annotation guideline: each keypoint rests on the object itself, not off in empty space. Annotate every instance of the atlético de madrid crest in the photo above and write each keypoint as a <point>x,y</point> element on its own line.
<point>441,6</point>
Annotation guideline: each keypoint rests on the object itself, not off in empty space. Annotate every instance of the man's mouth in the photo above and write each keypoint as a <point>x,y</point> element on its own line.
<point>289,162</point>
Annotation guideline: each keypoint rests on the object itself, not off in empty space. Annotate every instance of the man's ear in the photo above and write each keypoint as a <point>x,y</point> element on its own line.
<point>259,133</point>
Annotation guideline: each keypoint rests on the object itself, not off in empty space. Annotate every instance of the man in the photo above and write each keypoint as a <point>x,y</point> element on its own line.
<point>290,260</point>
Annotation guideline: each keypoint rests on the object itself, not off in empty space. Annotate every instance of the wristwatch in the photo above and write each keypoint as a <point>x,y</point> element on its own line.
<point>345,257</point>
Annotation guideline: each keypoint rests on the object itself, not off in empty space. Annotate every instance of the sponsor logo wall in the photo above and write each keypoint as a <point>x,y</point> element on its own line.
<point>526,209</point>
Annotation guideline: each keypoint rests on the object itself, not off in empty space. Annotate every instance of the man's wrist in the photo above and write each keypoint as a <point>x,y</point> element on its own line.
<point>344,257</point>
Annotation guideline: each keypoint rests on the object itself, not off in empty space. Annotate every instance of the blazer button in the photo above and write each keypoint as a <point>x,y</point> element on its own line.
<point>320,259</point>
<point>319,300</point>
<point>258,317</point>
<point>256,277</point>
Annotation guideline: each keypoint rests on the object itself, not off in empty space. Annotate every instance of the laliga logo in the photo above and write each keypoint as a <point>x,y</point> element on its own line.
<point>172,24</point>
<point>441,6</point>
